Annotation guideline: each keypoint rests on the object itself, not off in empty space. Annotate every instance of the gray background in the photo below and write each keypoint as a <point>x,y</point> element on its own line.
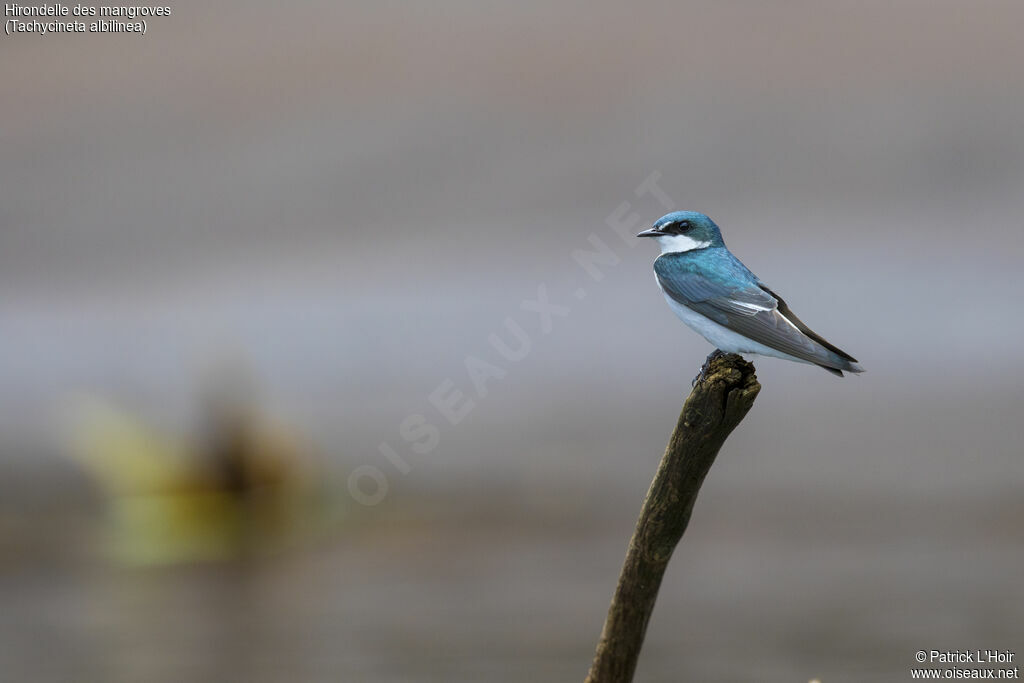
<point>351,198</point>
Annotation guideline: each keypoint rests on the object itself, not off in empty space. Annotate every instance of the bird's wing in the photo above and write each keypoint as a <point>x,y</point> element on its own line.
<point>746,307</point>
<point>689,288</point>
<point>789,315</point>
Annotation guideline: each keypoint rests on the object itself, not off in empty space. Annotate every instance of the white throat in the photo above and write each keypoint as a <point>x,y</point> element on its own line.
<point>673,244</point>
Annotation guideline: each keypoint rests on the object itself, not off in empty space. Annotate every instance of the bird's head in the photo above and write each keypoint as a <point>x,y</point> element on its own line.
<point>684,231</point>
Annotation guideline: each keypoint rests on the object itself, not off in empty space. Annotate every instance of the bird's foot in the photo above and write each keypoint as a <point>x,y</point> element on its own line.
<point>703,374</point>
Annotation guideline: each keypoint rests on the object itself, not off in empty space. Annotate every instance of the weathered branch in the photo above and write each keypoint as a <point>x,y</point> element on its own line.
<point>718,402</point>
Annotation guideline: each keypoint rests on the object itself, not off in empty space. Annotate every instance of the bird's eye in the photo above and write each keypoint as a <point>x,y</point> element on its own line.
<point>683,226</point>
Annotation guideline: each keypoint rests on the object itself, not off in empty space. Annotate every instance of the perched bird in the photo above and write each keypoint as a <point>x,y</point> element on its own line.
<point>718,297</point>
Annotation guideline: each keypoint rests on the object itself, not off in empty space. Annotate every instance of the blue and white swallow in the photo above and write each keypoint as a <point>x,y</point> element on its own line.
<point>719,298</point>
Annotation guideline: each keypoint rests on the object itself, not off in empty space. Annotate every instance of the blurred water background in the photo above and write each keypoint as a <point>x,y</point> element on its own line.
<point>349,199</point>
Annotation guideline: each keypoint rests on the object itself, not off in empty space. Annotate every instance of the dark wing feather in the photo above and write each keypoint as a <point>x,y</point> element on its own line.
<point>753,311</point>
<point>769,327</point>
<point>785,310</point>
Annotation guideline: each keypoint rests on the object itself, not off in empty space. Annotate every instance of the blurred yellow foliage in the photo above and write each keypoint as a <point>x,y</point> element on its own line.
<point>245,487</point>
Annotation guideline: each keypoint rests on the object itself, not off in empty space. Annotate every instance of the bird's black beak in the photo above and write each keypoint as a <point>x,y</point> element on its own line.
<point>650,232</point>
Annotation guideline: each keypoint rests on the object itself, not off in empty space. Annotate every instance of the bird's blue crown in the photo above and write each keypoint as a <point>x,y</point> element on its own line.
<point>694,225</point>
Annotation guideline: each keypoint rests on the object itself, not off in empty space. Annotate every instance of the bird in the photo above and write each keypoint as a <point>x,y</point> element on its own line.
<point>718,297</point>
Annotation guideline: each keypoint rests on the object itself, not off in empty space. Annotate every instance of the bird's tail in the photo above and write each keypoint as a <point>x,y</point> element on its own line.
<point>851,366</point>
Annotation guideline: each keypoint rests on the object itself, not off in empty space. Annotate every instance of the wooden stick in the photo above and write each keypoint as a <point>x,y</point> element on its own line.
<point>718,402</point>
